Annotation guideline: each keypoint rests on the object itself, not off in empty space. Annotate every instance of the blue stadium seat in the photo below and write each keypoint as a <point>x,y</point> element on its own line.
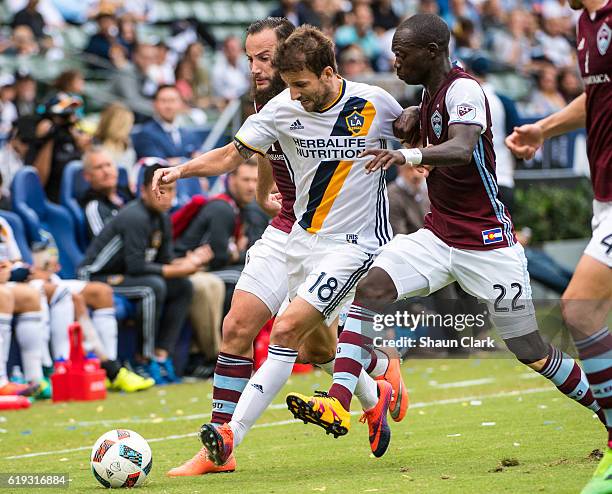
<point>19,231</point>
<point>36,212</point>
<point>72,190</point>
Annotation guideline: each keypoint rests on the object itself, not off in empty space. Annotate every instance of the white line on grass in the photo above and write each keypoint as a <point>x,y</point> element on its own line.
<point>464,384</point>
<point>423,404</point>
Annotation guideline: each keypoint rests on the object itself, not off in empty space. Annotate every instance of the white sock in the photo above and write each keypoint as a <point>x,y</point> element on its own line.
<point>382,363</point>
<point>47,361</point>
<point>61,314</point>
<point>5,345</point>
<point>366,390</point>
<point>28,330</point>
<point>261,389</point>
<point>105,322</point>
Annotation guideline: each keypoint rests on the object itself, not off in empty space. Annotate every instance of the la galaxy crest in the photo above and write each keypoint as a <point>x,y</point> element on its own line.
<point>604,35</point>
<point>355,122</point>
<point>436,123</point>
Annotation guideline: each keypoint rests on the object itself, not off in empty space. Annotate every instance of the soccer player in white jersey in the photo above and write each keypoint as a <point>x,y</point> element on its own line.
<point>328,122</point>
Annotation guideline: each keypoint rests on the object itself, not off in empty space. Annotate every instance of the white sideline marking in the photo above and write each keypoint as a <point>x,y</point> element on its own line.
<point>423,404</point>
<point>464,384</point>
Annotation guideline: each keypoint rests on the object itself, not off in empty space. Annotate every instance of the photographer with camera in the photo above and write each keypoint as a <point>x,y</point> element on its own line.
<point>58,141</point>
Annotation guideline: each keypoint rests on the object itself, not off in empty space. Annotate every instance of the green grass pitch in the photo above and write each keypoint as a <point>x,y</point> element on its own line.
<point>466,418</point>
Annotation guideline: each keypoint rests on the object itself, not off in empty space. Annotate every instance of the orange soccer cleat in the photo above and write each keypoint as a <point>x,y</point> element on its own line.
<point>218,440</point>
<point>393,375</point>
<point>200,464</point>
<point>379,431</point>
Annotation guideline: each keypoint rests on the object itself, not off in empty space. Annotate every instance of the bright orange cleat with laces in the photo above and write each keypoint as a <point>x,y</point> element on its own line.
<point>393,375</point>
<point>200,464</point>
<point>218,441</point>
<point>379,431</point>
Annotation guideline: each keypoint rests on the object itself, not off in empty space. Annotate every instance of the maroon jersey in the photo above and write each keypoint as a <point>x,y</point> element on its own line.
<point>465,211</point>
<point>283,176</point>
<point>594,36</point>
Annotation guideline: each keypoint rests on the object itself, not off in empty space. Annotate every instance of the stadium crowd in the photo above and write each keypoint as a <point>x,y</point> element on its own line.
<point>160,93</point>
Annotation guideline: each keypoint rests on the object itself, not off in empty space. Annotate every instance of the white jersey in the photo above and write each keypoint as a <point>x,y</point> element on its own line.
<point>334,195</point>
<point>9,251</point>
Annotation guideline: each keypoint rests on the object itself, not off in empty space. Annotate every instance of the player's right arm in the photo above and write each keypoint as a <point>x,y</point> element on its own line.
<point>526,139</point>
<point>210,164</point>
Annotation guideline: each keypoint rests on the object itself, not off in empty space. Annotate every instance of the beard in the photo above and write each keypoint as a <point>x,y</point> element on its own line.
<point>262,96</point>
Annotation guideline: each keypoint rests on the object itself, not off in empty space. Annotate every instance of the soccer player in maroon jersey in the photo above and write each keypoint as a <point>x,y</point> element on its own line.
<point>587,301</point>
<point>468,236</point>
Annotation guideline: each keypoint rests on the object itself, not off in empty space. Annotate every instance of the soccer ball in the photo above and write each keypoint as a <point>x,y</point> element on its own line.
<point>121,458</point>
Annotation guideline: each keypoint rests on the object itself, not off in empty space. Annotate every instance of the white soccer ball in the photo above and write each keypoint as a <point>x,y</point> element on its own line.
<point>121,458</point>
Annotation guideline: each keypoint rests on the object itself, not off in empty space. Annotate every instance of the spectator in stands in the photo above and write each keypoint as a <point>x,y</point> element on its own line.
<point>297,12</point>
<point>23,43</point>
<point>220,223</point>
<point>511,43</point>
<point>99,45</point>
<point>22,302</point>
<point>70,81</point>
<point>59,141</point>
<point>113,135</point>
<point>162,72</point>
<point>353,63</point>
<point>361,33</point>
<point>134,254</point>
<point>161,136</point>
<point>467,39</point>
<point>132,83</point>
<point>231,77</point>
<point>408,201</point>
<point>8,110</point>
<point>29,16</point>
<point>192,77</point>
<point>385,17</point>
<point>546,98</point>
<point>556,47</point>
<point>25,93</point>
<point>127,33</point>
<point>105,197</point>
<point>13,154</point>
<point>570,85</point>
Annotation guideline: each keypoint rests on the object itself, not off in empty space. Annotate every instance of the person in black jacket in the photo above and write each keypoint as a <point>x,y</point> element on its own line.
<point>134,254</point>
<point>105,197</point>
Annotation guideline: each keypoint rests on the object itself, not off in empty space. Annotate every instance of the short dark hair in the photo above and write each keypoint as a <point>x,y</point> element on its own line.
<point>281,26</point>
<point>427,28</point>
<point>149,171</point>
<point>306,48</point>
<point>165,86</point>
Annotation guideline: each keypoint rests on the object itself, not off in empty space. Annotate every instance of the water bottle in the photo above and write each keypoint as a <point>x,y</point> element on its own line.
<point>60,366</point>
<point>92,362</point>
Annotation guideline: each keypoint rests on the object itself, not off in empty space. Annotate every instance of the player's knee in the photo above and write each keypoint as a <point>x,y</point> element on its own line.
<point>286,332</point>
<point>98,295</point>
<point>377,285</point>
<point>27,298</point>
<point>7,301</point>
<point>158,285</point>
<point>239,332</point>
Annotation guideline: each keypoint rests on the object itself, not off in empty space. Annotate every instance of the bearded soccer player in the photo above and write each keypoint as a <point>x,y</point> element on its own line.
<point>587,300</point>
<point>468,235</point>
<point>262,286</point>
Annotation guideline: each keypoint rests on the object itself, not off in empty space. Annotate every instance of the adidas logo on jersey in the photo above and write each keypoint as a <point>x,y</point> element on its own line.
<point>297,125</point>
<point>258,387</point>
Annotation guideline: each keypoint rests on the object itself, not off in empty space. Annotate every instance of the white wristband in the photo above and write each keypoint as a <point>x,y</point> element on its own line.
<point>412,156</point>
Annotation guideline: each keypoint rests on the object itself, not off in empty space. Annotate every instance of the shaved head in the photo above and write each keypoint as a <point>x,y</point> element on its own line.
<point>423,29</point>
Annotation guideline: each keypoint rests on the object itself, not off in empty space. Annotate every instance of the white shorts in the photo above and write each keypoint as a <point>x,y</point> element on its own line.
<point>265,270</point>
<point>600,246</point>
<point>324,271</point>
<point>498,277</point>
